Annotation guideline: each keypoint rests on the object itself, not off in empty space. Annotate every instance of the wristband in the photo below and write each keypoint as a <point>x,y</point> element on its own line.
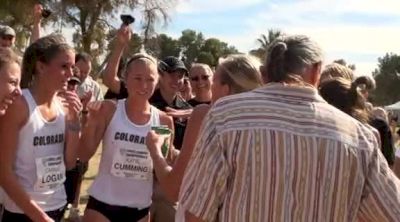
<point>74,127</point>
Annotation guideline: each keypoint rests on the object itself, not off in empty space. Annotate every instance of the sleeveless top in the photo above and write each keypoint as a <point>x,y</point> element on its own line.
<point>125,176</point>
<point>39,163</point>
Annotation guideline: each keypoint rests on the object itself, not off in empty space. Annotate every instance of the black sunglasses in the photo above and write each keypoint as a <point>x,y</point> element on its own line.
<point>197,78</point>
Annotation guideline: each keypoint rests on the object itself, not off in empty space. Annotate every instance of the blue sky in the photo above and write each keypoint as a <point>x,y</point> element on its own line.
<point>359,31</point>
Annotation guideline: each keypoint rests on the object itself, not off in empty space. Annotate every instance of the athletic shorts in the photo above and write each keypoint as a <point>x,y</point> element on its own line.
<point>117,213</point>
<point>56,215</point>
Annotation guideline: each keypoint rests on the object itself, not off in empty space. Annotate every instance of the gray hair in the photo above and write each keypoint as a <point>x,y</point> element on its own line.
<point>289,56</point>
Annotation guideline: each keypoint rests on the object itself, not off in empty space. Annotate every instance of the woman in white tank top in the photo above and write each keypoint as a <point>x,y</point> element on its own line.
<point>123,187</point>
<point>10,76</point>
<point>41,135</point>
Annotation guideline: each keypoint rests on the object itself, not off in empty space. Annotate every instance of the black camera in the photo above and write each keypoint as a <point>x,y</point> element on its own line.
<point>127,19</point>
<point>46,13</point>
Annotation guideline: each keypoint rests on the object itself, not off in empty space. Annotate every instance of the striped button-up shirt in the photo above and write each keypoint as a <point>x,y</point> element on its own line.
<point>281,153</point>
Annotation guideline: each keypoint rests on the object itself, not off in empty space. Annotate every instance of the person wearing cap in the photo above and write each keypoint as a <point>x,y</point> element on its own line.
<point>73,83</point>
<point>7,36</point>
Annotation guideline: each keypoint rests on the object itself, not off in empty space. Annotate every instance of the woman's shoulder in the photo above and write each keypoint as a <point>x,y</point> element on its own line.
<point>18,111</point>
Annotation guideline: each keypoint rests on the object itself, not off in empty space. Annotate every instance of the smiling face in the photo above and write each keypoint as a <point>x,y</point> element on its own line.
<point>7,41</point>
<point>10,75</point>
<point>85,67</point>
<point>141,78</point>
<point>171,82</point>
<point>200,79</point>
<point>58,70</point>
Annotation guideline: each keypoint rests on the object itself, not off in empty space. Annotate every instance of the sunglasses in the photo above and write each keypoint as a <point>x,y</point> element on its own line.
<point>197,78</point>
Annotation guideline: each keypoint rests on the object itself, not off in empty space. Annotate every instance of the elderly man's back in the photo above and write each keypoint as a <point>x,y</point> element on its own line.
<point>281,153</point>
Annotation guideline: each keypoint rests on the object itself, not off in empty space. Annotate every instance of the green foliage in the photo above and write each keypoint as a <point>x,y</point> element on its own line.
<point>191,46</point>
<point>387,80</point>
<point>90,18</point>
<point>264,42</point>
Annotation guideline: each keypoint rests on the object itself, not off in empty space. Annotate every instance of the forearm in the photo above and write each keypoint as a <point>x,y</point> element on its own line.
<point>15,191</point>
<point>72,144</point>
<point>164,175</point>
<point>110,78</point>
<point>88,144</point>
<point>35,31</point>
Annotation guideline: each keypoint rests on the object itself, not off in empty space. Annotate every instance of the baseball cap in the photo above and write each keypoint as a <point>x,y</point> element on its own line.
<point>6,31</point>
<point>171,64</point>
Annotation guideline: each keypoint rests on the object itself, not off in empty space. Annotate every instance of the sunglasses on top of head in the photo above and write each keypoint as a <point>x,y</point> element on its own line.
<point>197,78</point>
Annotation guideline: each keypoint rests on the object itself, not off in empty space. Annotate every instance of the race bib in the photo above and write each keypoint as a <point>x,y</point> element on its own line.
<point>50,171</point>
<point>132,163</point>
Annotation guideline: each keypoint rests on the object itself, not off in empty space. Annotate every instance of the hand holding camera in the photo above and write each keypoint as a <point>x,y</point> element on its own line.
<point>127,19</point>
<point>40,11</point>
<point>124,32</point>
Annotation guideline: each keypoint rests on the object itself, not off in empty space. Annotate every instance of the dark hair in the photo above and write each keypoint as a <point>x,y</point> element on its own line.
<point>83,56</point>
<point>8,56</point>
<point>368,81</point>
<point>289,56</point>
<point>43,50</point>
<point>346,96</point>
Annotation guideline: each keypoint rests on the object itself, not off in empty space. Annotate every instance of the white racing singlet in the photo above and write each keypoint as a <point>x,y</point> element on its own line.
<point>39,164</point>
<point>125,175</point>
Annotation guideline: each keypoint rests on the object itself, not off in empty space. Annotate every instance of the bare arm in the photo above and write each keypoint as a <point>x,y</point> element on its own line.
<point>37,18</point>
<point>110,78</point>
<point>10,125</point>
<point>100,114</point>
<point>73,106</point>
<point>171,177</point>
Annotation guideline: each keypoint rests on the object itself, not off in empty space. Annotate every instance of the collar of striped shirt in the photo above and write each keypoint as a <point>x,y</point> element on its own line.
<point>305,92</point>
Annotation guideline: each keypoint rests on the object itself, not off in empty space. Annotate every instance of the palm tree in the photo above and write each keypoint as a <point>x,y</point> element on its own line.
<point>265,41</point>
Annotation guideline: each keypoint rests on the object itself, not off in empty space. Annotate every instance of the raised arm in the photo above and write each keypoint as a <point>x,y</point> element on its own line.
<point>37,19</point>
<point>99,116</point>
<point>110,78</point>
<point>73,106</point>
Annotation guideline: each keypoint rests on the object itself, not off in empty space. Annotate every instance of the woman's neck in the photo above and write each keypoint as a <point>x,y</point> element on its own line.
<point>203,96</point>
<point>42,94</point>
<point>167,96</point>
<point>137,105</point>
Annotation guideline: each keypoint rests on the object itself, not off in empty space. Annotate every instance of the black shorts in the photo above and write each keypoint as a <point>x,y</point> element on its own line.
<point>116,213</point>
<point>73,178</point>
<point>56,215</point>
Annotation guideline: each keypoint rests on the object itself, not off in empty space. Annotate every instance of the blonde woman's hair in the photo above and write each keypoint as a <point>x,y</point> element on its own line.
<point>139,57</point>
<point>203,66</point>
<point>240,72</point>
<point>336,70</point>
